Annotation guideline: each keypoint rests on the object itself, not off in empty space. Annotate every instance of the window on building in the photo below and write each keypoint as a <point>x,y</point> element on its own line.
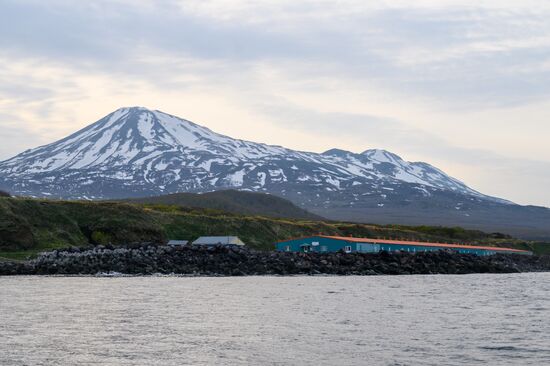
<point>287,248</point>
<point>347,249</point>
<point>324,248</point>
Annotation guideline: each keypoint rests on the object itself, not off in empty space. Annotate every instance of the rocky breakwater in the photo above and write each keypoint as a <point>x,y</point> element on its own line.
<point>223,261</point>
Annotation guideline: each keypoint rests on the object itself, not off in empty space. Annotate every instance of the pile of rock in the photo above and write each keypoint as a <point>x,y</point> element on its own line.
<point>9,268</point>
<point>147,259</point>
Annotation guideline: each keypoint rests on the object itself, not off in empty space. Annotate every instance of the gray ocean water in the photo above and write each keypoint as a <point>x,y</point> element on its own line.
<point>382,320</point>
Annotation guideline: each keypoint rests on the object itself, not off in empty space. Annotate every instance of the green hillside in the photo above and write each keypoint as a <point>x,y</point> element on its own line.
<point>28,226</point>
<point>239,202</point>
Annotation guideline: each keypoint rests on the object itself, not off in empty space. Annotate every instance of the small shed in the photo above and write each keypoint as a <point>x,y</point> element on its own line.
<point>177,243</point>
<point>219,240</point>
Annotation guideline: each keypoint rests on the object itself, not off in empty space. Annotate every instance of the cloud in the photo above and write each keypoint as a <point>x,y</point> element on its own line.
<point>461,55</point>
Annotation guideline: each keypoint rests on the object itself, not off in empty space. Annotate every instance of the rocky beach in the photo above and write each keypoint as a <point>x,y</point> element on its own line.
<point>149,259</point>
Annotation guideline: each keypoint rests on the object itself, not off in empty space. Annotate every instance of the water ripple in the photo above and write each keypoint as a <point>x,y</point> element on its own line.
<point>380,320</point>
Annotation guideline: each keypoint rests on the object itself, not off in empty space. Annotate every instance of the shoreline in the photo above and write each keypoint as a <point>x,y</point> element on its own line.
<point>322,275</point>
<point>193,261</point>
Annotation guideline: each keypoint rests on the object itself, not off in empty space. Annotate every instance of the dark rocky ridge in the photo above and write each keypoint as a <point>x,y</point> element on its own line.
<point>234,201</point>
<point>147,259</point>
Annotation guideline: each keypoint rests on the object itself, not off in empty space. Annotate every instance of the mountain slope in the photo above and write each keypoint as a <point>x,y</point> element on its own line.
<point>237,202</point>
<point>136,152</point>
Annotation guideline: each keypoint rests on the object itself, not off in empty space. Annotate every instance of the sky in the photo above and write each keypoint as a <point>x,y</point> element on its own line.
<point>461,84</point>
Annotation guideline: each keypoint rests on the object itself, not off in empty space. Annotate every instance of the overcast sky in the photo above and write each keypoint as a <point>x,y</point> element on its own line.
<point>463,85</point>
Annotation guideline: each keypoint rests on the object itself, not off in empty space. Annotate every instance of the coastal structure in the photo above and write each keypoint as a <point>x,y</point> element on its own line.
<point>325,244</point>
<point>219,240</point>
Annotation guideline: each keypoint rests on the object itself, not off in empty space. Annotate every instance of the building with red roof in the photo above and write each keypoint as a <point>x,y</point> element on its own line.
<point>326,243</point>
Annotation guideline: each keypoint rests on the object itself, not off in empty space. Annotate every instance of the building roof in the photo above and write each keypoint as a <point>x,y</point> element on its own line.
<point>405,242</point>
<point>215,240</point>
<point>178,242</point>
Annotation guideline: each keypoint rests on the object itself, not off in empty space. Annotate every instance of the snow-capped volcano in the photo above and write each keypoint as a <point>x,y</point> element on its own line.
<point>154,152</point>
<point>135,152</point>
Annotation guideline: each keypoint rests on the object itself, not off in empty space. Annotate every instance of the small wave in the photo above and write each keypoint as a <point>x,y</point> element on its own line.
<point>513,349</point>
<point>501,348</point>
<point>110,274</point>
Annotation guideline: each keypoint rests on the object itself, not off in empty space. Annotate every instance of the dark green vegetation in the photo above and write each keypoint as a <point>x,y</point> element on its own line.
<point>239,202</point>
<point>28,226</point>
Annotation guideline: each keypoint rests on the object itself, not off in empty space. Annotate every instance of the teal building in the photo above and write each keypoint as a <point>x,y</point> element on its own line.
<point>325,244</point>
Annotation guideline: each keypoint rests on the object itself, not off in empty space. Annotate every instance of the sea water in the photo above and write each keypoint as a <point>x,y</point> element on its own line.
<point>326,320</point>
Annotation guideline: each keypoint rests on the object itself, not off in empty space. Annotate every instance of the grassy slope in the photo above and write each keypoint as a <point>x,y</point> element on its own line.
<point>28,226</point>
<point>240,202</point>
